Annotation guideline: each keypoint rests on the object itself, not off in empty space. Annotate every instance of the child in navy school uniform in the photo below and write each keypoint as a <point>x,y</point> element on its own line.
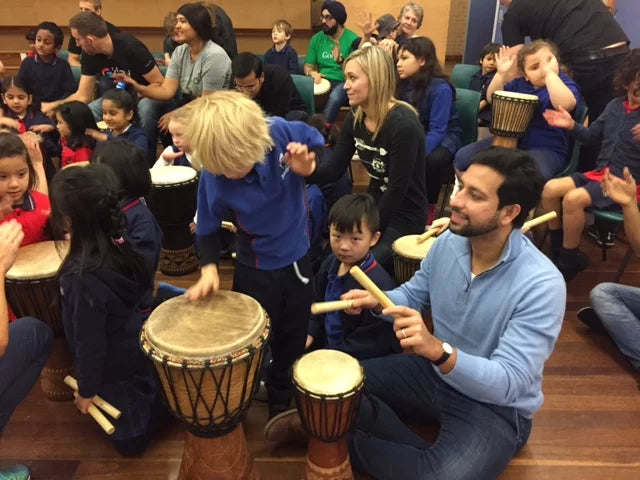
<point>21,114</point>
<point>143,232</point>
<point>73,121</point>
<point>481,80</point>
<point>353,224</point>
<point>49,76</point>
<point>102,281</point>
<point>244,169</point>
<point>282,53</point>
<point>119,113</point>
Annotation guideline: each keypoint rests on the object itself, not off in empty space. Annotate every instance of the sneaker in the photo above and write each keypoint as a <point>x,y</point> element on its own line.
<point>594,233</point>
<point>286,427</point>
<point>571,262</point>
<point>589,317</point>
<point>15,472</point>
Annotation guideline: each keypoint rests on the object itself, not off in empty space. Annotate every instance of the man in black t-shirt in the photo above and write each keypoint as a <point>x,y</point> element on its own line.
<point>591,42</point>
<point>270,86</point>
<point>104,55</point>
<point>75,51</point>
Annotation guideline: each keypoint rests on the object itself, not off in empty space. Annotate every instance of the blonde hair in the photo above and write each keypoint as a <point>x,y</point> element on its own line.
<point>228,132</point>
<point>378,66</point>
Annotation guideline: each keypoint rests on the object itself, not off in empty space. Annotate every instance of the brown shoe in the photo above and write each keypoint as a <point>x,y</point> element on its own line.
<point>286,427</point>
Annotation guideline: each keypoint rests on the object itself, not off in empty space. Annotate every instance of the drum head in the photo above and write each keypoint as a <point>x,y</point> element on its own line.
<point>409,247</point>
<point>524,97</point>
<point>321,88</point>
<point>38,260</point>
<point>210,328</point>
<point>327,372</point>
<point>172,174</point>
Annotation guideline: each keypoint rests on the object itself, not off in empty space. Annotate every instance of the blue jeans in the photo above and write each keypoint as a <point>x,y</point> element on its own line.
<point>476,440</point>
<point>149,112</point>
<point>337,98</point>
<point>618,307</point>
<point>548,162</point>
<point>30,343</point>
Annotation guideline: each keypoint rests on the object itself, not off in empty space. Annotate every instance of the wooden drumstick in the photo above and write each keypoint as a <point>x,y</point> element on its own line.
<point>326,307</point>
<point>538,220</point>
<point>429,233</point>
<point>371,287</point>
<point>228,226</point>
<point>97,400</point>
<point>101,420</point>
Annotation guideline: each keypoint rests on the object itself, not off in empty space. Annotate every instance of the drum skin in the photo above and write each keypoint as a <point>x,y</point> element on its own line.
<point>407,256</point>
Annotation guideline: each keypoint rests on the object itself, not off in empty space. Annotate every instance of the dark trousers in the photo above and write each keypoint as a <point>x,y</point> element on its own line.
<point>287,300</point>
<point>30,343</point>
<point>476,441</point>
<point>437,161</point>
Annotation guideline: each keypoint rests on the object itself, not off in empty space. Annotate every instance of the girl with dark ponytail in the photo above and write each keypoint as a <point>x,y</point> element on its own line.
<point>103,280</point>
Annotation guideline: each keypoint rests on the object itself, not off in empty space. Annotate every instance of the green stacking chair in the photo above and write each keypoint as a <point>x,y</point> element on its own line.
<point>462,73</point>
<point>304,85</point>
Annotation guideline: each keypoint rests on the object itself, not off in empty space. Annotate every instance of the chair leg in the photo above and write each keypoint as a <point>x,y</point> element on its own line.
<point>625,263</point>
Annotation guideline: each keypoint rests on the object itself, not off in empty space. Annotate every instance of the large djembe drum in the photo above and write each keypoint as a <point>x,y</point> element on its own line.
<point>511,113</point>
<point>329,385</point>
<point>408,253</point>
<point>33,290</point>
<point>208,356</point>
<point>173,199</point>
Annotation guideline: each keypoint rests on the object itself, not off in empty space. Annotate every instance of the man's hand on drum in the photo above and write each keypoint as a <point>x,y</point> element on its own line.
<point>559,118</point>
<point>300,160</point>
<point>412,332</point>
<point>361,301</point>
<point>209,283</point>
<point>317,77</point>
<point>82,403</point>
<point>441,224</point>
<point>11,236</point>
<point>505,60</point>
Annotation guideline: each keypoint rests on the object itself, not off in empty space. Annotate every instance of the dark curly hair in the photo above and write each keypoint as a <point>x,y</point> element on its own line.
<point>628,72</point>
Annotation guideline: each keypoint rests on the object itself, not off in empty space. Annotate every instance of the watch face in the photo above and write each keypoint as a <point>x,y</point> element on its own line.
<point>447,348</point>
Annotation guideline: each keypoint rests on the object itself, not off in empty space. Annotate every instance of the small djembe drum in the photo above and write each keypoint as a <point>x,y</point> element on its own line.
<point>511,113</point>
<point>329,385</point>
<point>208,355</point>
<point>321,93</point>
<point>33,290</point>
<point>173,199</point>
<point>408,253</point>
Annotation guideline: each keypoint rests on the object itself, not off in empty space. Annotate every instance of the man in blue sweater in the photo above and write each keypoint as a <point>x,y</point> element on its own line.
<point>497,305</point>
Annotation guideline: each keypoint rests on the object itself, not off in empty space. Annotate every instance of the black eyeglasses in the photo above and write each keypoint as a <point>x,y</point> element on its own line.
<point>326,18</point>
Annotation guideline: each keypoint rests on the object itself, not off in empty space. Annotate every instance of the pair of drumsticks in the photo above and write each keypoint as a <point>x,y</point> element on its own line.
<point>372,288</point>
<point>97,401</point>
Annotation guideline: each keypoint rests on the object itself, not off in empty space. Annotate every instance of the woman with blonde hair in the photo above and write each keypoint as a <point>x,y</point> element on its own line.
<point>389,140</point>
<point>243,170</point>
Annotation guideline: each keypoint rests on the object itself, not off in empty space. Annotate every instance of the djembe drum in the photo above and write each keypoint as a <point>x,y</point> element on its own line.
<point>207,356</point>
<point>321,93</point>
<point>511,113</point>
<point>329,385</point>
<point>407,256</point>
<point>33,290</point>
<point>173,199</point>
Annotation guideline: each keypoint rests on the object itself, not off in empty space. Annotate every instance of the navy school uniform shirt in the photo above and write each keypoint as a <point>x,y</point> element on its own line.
<point>268,204</point>
<point>480,83</point>
<point>49,81</point>
<point>136,135</point>
<point>540,135</point>
<point>362,336</point>
<point>102,322</point>
<point>145,236</point>
<point>286,58</point>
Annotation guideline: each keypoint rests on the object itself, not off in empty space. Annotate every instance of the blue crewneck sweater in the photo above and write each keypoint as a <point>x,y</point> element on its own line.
<point>504,322</point>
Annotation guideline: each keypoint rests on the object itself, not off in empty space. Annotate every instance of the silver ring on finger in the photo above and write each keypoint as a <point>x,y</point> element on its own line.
<point>404,334</point>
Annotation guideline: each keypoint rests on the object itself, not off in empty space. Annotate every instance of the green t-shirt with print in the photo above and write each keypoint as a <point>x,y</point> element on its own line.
<point>320,55</point>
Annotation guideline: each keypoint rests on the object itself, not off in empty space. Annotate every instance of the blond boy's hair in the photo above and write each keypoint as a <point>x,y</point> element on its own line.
<point>228,132</point>
<point>284,26</point>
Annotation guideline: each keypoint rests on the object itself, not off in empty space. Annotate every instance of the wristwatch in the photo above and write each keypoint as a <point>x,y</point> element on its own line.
<point>447,351</point>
